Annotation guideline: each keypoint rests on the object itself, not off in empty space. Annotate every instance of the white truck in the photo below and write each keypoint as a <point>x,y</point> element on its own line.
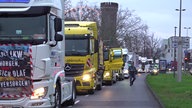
<point>126,60</point>
<point>31,55</point>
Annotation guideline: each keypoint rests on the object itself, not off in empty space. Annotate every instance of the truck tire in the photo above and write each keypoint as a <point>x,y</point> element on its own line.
<point>115,80</point>
<point>99,86</point>
<point>57,96</point>
<point>122,77</point>
<point>91,91</point>
<point>73,95</point>
<point>111,82</point>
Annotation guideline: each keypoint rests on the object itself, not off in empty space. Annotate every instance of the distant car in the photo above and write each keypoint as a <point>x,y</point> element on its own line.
<point>154,71</point>
<point>139,70</point>
<point>150,69</point>
<point>170,68</point>
<point>126,73</point>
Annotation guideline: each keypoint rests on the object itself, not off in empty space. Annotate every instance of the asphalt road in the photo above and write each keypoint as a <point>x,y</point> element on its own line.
<point>119,95</point>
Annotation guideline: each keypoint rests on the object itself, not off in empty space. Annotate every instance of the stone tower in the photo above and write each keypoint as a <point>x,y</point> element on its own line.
<point>108,23</point>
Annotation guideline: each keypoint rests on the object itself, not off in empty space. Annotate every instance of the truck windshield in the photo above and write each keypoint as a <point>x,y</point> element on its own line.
<point>76,47</point>
<point>23,29</point>
<point>117,54</point>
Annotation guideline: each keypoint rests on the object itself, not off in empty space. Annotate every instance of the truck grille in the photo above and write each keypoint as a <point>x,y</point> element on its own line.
<point>73,70</point>
<point>78,83</point>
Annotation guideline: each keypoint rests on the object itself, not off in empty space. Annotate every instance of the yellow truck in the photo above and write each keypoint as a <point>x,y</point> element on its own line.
<point>116,62</point>
<point>84,56</point>
<point>109,76</point>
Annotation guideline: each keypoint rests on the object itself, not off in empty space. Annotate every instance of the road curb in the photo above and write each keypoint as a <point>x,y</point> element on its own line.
<point>153,93</point>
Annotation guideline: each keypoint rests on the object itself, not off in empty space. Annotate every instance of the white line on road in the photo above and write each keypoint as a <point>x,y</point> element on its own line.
<point>86,95</point>
<point>77,101</point>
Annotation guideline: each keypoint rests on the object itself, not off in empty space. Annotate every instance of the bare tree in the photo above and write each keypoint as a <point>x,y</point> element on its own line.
<point>134,35</point>
<point>67,5</point>
<point>82,12</point>
<point>154,46</point>
<point>130,30</point>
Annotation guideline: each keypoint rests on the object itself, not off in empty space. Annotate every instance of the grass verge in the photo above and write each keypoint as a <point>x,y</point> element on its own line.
<point>172,94</point>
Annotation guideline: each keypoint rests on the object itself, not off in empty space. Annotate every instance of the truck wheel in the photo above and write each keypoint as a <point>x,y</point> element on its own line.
<point>57,96</point>
<point>114,80</point>
<point>91,91</point>
<point>111,82</point>
<point>73,95</point>
<point>123,77</point>
<point>99,86</point>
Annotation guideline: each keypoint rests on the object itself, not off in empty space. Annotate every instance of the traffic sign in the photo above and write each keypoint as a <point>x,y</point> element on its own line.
<point>184,42</point>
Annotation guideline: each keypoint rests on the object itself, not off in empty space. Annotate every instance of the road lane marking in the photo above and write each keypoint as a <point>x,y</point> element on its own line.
<point>86,95</point>
<point>77,101</point>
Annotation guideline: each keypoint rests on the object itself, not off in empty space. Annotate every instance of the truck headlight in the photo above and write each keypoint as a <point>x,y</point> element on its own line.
<point>86,77</point>
<point>39,93</point>
<point>155,71</point>
<point>107,74</point>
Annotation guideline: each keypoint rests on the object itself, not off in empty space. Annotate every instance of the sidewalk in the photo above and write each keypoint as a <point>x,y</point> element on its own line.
<point>142,92</point>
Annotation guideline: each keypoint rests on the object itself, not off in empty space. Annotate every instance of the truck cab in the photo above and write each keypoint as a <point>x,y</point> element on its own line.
<point>116,62</point>
<point>84,59</point>
<point>31,55</point>
<point>109,76</point>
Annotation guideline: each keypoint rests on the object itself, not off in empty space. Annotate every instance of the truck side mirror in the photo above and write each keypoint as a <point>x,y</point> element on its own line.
<point>58,37</point>
<point>58,24</point>
<point>111,56</point>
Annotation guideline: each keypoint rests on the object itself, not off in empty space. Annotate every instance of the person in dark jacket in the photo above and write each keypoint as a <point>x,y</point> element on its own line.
<point>132,73</point>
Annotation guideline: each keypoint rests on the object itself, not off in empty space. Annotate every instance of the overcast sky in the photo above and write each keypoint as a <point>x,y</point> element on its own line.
<point>159,15</point>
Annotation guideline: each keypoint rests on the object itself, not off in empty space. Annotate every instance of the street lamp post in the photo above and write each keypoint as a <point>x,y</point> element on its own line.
<point>179,66</point>
<point>174,53</point>
<point>187,28</point>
